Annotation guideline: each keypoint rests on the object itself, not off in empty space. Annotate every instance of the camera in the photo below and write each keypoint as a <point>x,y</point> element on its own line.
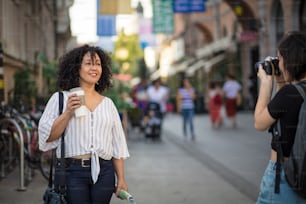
<point>268,65</point>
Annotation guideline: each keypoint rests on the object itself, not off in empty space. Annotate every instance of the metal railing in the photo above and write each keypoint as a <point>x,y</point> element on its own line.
<point>19,139</point>
<point>19,146</point>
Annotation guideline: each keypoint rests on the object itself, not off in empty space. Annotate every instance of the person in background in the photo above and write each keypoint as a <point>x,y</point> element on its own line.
<point>231,89</point>
<point>186,96</point>
<point>215,102</point>
<point>95,144</point>
<point>159,94</point>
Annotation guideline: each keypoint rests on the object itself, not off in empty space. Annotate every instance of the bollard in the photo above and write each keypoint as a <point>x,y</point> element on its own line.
<point>27,132</point>
<point>21,144</point>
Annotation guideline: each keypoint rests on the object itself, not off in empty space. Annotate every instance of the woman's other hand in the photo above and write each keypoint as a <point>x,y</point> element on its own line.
<point>121,185</point>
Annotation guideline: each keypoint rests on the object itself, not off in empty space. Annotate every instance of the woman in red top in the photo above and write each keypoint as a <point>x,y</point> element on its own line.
<point>215,102</point>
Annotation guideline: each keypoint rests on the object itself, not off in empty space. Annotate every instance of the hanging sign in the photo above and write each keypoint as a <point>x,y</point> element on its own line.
<point>188,6</point>
<point>163,17</point>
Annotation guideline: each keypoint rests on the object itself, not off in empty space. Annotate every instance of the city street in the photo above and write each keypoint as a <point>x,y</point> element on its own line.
<point>220,166</point>
<point>194,49</point>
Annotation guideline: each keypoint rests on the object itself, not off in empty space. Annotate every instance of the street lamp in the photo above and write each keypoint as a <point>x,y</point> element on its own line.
<point>139,9</point>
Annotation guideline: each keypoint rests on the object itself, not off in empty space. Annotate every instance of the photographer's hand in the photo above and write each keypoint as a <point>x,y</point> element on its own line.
<point>266,80</point>
<point>265,92</point>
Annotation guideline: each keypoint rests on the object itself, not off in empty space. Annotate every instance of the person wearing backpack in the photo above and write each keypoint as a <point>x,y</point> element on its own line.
<point>282,109</point>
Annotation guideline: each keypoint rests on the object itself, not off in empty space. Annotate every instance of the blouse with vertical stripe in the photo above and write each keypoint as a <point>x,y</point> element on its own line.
<point>186,98</point>
<point>99,131</point>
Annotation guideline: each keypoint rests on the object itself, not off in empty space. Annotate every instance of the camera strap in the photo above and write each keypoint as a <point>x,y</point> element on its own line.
<point>274,129</point>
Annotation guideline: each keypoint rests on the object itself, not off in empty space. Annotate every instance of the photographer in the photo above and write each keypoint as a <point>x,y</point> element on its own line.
<point>284,106</point>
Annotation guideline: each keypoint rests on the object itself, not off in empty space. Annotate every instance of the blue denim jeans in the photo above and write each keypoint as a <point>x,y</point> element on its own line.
<point>80,188</point>
<point>188,118</point>
<point>267,195</point>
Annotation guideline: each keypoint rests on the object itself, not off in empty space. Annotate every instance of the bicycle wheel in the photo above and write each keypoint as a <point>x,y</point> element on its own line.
<point>4,152</point>
<point>9,150</point>
<point>45,162</point>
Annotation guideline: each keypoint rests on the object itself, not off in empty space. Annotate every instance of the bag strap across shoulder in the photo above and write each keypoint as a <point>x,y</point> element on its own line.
<point>301,90</point>
<point>275,130</point>
<point>62,182</point>
<point>62,187</point>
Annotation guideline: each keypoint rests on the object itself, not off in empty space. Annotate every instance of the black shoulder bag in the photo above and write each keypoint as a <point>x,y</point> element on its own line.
<point>52,195</point>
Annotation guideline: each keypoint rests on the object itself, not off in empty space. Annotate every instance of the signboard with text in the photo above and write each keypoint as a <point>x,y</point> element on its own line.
<point>114,7</point>
<point>248,36</point>
<point>163,18</point>
<point>106,24</point>
<point>188,6</point>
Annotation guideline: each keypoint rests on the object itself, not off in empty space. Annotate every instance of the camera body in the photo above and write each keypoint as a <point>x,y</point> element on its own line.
<point>268,65</point>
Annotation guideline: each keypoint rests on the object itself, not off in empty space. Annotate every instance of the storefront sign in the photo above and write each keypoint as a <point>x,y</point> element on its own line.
<point>106,25</point>
<point>247,36</point>
<point>188,6</point>
<point>114,7</point>
<point>163,20</point>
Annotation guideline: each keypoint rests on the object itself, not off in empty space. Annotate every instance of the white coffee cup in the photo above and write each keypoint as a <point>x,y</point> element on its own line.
<point>81,111</point>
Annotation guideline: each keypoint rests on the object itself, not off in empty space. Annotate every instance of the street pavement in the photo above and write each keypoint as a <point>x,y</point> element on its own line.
<point>220,166</point>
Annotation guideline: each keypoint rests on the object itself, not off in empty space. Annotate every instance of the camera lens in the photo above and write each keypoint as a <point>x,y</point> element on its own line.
<point>268,64</point>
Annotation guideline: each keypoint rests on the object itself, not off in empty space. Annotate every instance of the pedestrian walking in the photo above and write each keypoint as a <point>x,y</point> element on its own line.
<point>215,102</point>
<point>186,96</point>
<point>284,106</point>
<point>95,144</point>
<point>231,89</point>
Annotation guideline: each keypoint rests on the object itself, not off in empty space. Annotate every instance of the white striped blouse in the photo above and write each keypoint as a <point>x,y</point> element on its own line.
<point>100,131</point>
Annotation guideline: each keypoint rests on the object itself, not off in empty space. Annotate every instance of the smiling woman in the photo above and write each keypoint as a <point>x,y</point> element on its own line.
<point>91,69</point>
<point>97,139</point>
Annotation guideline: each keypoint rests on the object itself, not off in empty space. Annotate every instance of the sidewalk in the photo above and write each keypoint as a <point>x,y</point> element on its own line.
<point>221,166</point>
<point>9,193</point>
<point>237,155</point>
<point>172,171</point>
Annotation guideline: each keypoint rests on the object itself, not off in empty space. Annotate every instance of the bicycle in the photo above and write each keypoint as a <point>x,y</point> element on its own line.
<point>36,159</point>
<point>33,158</point>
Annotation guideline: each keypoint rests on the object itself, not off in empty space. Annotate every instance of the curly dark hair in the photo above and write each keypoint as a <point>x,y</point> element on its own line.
<point>293,50</point>
<point>70,65</point>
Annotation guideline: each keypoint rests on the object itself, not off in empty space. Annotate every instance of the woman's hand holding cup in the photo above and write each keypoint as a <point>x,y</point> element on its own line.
<point>76,102</point>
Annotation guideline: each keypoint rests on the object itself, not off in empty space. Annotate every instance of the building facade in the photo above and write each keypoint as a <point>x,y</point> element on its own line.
<point>30,30</point>
<point>231,36</point>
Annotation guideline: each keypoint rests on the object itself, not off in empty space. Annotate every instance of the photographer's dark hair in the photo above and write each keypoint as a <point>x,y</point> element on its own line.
<point>293,50</point>
<point>70,65</point>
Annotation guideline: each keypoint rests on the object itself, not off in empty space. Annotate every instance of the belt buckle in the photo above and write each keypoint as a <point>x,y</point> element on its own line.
<point>83,163</point>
